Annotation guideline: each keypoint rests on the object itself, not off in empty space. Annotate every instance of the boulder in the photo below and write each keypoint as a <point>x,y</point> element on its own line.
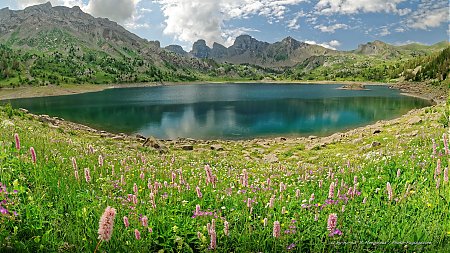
<point>187,147</point>
<point>217,147</point>
<point>415,120</point>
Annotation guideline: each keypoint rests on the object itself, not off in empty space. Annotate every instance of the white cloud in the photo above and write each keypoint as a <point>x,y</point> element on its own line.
<point>117,10</point>
<point>429,15</point>
<point>330,45</point>
<point>190,20</point>
<point>384,30</point>
<point>356,6</point>
<point>331,28</point>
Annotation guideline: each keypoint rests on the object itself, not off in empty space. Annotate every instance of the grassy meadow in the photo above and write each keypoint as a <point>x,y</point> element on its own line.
<point>370,191</point>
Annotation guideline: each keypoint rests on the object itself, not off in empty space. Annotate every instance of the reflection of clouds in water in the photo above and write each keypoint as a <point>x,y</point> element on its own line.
<point>187,124</point>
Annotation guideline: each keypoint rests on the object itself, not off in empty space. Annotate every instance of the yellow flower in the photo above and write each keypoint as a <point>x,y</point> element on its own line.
<point>412,192</point>
<point>428,204</point>
<point>319,204</point>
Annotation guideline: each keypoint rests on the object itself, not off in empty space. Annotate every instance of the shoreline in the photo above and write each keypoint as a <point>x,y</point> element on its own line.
<point>72,89</point>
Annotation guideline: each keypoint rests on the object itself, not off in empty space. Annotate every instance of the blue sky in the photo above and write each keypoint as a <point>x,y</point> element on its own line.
<point>339,24</point>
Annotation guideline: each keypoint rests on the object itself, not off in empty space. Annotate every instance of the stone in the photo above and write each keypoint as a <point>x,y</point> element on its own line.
<point>375,144</point>
<point>376,131</point>
<point>312,137</point>
<point>415,120</point>
<point>217,147</point>
<point>187,147</point>
<point>118,137</point>
<point>271,158</point>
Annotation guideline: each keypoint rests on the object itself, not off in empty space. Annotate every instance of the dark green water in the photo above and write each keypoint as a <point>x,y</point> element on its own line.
<point>227,111</point>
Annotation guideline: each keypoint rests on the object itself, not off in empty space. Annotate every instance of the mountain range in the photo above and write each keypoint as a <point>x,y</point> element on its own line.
<point>37,41</point>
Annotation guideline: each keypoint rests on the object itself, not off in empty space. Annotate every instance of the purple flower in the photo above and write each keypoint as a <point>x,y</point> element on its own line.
<point>335,232</point>
<point>291,246</point>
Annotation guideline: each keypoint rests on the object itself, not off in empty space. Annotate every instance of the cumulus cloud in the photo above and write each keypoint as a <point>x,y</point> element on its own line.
<point>117,10</point>
<point>190,20</point>
<point>429,14</point>
<point>356,6</point>
<point>384,30</point>
<point>331,28</point>
<point>330,45</point>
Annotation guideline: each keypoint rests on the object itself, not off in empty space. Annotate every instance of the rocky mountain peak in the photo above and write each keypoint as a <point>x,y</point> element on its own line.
<point>200,49</point>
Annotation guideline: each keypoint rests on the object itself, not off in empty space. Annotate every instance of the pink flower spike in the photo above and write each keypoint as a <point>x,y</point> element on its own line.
<point>17,140</point>
<point>144,221</point>
<point>126,222</point>
<point>137,234</point>
<point>332,222</point>
<point>106,224</point>
<point>276,229</point>
<point>33,154</point>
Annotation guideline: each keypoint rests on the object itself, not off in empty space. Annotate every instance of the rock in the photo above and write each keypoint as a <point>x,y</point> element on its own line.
<point>217,147</point>
<point>53,126</point>
<point>283,139</point>
<point>271,158</point>
<point>187,147</point>
<point>312,137</point>
<point>23,110</point>
<point>140,137</point>
<point>375,144</point>
<point>376,131</point>
<point>414,133</point>
<point>118,137</point>
<point>415,120</point>
<point>152,142</point>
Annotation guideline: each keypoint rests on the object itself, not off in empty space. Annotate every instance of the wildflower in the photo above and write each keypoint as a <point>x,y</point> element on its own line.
<point>150,230</point>
<point>364,200</point>
<point>144,221</point>
<point>290,246</point>
<point>283,210</point>
<point>87,175</point>
<point>434,147</point>
<point>428,205</point>
<point>100,160</point>
<point>17,140</point>
<point>320,183</point>
<point>332,222</point>
<point>197,210</point>
<point>33,154</point>
<point>137,234</point>
<point>135,200</point>
<point>335,232</point>
<point>126,222</point>
<point>316,217</point>
<point>444,137</point>
<point>226,228</point>
<point>106,224</point>
<point>398,173</point>
<point>199,193</point>
<point>446,175</point>
<point>122,180</point>
<point>343,208</point>
<point>244,178</point>
<point>249,202</point>
<point>438,182</point>
<point>272,201</point>
<point>265,222</point>
<point>74,164</point>
<point>311,198</point>
<point>91,149</point>
<point>135,188</point>
<point>389,190</point>
<point>437,171</point>
<point>142,175</point>
<point>297,193</point>
<point>77,177</point>
<point>276,229</point>
<point>331,191</point>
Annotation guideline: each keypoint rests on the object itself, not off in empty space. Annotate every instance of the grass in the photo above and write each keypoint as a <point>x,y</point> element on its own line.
<point>50,210</point>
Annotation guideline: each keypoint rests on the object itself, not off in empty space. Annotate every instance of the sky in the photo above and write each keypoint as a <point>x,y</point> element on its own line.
<point>336,24</point>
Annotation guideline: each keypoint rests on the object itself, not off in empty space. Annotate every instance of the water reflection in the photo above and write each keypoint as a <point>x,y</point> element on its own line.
<point>238,115</point>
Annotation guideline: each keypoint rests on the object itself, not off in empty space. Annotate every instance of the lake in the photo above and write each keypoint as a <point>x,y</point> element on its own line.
<point>227,111</point>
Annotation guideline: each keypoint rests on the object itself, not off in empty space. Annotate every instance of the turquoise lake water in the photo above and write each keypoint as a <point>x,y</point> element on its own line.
<point>227,111</point>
